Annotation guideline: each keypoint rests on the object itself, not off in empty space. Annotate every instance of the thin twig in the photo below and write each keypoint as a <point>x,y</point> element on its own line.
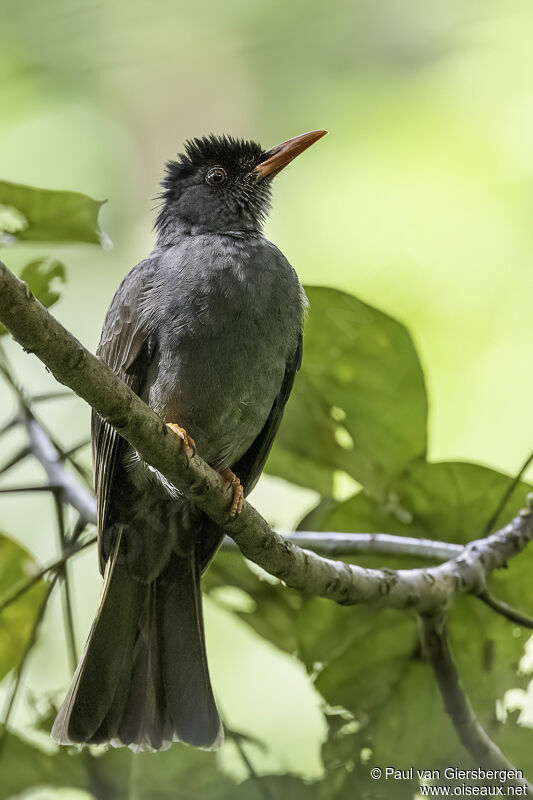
<point>67,599</point>
<point>238,739</point>
<point>343,544</point>
<point>24,489</point>
<point>23,586</point>
<point>76,448</point>
<point>27,414</point>
<point>513,483</point>
<point>483,750</point>
<point>506,610</point>
<point>10,424</point>
<point>19,456</point>
<point>47,454</point>
<point>44,397</point>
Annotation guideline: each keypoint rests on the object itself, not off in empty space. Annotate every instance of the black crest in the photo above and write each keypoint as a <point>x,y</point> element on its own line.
<point>235,155</point>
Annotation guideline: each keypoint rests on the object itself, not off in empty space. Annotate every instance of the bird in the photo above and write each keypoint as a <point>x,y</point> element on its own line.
<point>207,330</point>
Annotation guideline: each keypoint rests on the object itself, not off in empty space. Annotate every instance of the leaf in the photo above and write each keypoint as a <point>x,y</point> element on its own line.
<point>274,786</point>
<point>454,501</point>
<point>30,767</point>
<point>274,608</point>
<point>39,275</point>
<point>359,402</point>
<point>11,220</point>
<point>487,652</point>
<point>378,674</point>
<point>51,216</point>
<point>348,762</point>
<point>16,620</point>
<point>380,647</point>
<point>109,773</point>
<point>157,775</point>
<point>450,501</point>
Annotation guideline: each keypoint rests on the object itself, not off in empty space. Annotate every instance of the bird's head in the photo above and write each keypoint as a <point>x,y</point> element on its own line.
<point>223,184</point>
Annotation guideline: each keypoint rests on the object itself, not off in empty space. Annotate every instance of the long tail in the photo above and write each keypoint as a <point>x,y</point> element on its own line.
<point>143,679</point>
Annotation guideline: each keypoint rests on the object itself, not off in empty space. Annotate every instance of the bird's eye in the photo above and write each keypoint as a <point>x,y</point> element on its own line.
<point>215,176</point>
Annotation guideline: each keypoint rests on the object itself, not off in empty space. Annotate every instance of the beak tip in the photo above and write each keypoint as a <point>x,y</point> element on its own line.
<point>284,153</point>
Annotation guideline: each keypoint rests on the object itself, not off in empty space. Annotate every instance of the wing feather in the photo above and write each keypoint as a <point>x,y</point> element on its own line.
<point>125,347</point>
<point>251,464</point>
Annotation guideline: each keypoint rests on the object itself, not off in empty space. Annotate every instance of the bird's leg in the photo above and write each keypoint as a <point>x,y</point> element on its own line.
<point>238,492</point>
<point>187,442</point>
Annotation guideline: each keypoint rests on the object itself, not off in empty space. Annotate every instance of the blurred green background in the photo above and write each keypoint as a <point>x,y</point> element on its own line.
<point>419,202</point>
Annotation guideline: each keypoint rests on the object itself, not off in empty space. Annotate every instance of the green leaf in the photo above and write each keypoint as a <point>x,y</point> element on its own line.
<point>274,786</point>
<point>454,501</point>
<point>379,648</point>
<point>273,609</point>
<point>30,767</point>
<point>51,216</point>
<point>39,275</point>
<point>450,501</point>
<point>373,666</point>
<point>359,402</point>
<point>16,620</point>
<point>11,220</point>
<point>110,773</point>
<point>487,650</point>
<point>158,775</point>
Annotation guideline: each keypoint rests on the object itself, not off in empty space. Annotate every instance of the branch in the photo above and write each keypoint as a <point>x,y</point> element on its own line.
<point>344,544</point>
<point>506,610</point>
<point>24,585</point>
<point>73,492</point>
<point>435,646</point>
<point>324,542</point>
<point>506,496</point>
<point>72,365</point>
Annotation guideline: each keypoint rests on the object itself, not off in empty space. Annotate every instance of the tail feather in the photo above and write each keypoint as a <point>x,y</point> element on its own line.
<point>185,673</point>
<point>143,679</point>
<point>145,721</point>
<point>104,660</point>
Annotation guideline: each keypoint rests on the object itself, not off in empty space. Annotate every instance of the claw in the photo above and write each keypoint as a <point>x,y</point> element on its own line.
<point>187,442</point>
<point>238,492</point>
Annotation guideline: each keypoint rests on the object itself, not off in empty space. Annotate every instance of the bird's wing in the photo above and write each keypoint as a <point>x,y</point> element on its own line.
<point>250,465</point>
<point>125,347</point>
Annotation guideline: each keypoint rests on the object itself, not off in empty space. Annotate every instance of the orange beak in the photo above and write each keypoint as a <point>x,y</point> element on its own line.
<point>278,157</point>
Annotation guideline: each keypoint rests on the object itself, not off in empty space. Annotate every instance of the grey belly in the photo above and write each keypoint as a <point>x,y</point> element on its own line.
<point>220,389</point>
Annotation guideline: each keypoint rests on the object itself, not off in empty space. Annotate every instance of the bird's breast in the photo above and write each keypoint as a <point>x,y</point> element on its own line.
<point>227,328</point>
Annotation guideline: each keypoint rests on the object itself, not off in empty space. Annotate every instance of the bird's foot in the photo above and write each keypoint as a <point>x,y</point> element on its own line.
<point>187,442</point>
<point>238,492</point>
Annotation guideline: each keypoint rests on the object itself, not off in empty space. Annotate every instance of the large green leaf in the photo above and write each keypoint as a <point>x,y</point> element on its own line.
<point>454,501</point>
<point>16,620</point>
<point>374,668</point>
<point>380,647</point>
<point>44,215</point>
<point>359,402</point>
<point>451,501</point>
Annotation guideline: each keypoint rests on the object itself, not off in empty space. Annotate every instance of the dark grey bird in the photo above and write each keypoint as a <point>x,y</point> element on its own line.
<point>208,331</point>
